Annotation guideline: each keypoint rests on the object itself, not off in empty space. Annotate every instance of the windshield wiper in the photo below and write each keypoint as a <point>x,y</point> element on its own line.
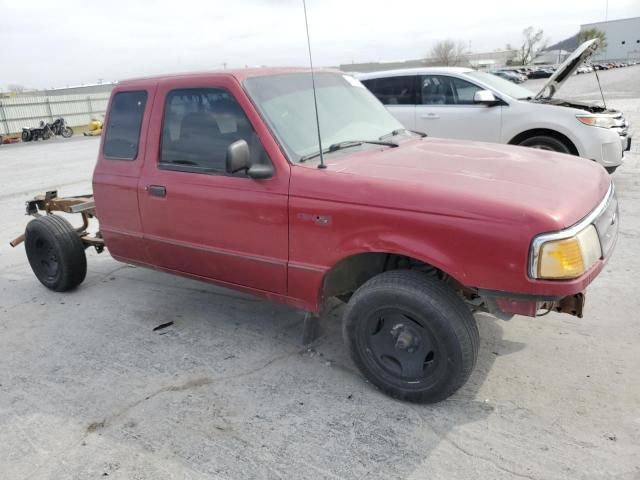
<point>346,144</point>
<point>398,131</point>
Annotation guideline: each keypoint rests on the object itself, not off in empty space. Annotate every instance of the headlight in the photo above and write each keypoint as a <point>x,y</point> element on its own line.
<point>602,121</point>
<point>566,257</point>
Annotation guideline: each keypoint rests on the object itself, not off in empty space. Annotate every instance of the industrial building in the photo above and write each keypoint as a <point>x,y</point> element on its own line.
<point>623,39</point>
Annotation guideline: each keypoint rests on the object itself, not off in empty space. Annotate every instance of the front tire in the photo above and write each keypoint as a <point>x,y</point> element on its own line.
<point>67,132</point>
<point>611,170</point>
<point>411,336</point>
<point>26,136</point>
<point>545,142</point>
<point>56,253</point>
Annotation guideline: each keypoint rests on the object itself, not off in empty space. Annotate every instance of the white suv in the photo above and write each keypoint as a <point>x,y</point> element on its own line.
<point>467,104</point>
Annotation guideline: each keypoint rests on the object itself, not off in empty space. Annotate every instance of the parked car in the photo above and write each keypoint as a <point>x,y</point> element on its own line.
<point>584,69</point>
<point>541,73</point>
<point>466,104</point>
<point>216,177</point>
<point>511,76</point>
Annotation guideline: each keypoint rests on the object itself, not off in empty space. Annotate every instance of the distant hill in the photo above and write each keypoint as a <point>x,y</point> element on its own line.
<point>568,44</point>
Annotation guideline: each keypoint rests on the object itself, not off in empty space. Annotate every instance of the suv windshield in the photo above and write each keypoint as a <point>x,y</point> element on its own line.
<point>501,85</point>
<point>346,109</point>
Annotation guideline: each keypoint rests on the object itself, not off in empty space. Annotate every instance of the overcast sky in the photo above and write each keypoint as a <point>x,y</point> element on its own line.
<point>54,44</point>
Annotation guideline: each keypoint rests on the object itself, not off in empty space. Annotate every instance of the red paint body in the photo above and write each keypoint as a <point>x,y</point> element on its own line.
<point>469,209</point>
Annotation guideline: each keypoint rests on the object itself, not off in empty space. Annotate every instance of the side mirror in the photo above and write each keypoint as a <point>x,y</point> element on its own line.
<point>485,97</point>
<point>239,159</point>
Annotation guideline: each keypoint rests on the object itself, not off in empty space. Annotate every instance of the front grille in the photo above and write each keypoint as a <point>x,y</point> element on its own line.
<point>607,224</point>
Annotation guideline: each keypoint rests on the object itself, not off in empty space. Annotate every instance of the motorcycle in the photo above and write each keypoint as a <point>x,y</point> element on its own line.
<point>47,130</point>
<point>60,127</point>
<point>33,134</point>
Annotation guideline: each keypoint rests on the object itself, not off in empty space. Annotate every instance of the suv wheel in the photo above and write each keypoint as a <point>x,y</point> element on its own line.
<point>411,336</point>
<point>544,142</point>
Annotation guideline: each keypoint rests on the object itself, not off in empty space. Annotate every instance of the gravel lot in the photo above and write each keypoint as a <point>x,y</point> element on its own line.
<point>89,390</point>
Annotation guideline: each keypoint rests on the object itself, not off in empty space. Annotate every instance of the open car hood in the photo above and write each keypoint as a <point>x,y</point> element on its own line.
<point>570,65</point>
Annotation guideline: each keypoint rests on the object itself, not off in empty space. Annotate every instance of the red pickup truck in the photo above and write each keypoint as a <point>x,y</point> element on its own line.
<point>215,176</point>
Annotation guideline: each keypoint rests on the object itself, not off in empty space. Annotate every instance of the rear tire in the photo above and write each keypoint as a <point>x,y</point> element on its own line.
<point>56,253</point>
<point>611,170</point>
<point>545,142</point>
<point>26,136</point>
<point>411,336</point>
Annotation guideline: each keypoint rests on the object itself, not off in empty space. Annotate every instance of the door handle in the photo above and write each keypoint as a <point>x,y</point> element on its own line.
<point>157,190</point>
<point>430,116</point>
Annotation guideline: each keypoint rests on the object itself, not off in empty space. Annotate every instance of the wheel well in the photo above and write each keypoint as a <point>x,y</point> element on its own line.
<point>350,273</point>
<point>544,131</point>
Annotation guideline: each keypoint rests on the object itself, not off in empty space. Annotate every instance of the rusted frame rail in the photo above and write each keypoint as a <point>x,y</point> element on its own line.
<point>82,204</point>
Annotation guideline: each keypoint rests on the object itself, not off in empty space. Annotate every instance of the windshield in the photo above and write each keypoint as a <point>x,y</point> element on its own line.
<point>346,109</point>
<point>501,85</point>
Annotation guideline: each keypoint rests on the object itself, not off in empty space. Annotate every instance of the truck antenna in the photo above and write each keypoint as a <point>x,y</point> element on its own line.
<point>313,86</point>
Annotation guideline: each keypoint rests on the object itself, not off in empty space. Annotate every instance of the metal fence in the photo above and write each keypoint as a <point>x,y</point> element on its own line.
<point>28,111</point>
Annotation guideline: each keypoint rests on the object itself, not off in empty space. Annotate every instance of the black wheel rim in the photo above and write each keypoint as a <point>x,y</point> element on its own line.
<point>402,344</point>
<point>46,259</point>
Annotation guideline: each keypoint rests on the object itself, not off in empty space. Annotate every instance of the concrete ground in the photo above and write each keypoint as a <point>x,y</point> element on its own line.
<point>89,390</point>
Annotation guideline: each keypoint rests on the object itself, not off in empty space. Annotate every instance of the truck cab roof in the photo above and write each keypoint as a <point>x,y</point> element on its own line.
<point>239,74</point>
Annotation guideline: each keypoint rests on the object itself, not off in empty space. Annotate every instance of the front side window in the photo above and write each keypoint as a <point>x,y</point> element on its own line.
<point>463,91</point>
<point>123,125</point>
<point>444,90</point>
<point>198,127</point>
<point>393,90</point>
<point>346,110</point>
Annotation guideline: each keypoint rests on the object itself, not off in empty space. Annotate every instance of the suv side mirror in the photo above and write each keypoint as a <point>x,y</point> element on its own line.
<point>485,97</point>
<point>239,159</point>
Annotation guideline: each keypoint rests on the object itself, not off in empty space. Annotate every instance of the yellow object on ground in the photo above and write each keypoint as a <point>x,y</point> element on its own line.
<point>95,128</point>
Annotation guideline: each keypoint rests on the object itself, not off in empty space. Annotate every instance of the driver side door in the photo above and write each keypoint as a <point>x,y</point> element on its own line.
<point>447,110</point>
<point>198,219</point>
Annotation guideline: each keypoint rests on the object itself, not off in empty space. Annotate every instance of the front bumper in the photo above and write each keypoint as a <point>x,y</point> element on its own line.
<point>564,296</point>
<point>506,307</point>
<point>606,145</point>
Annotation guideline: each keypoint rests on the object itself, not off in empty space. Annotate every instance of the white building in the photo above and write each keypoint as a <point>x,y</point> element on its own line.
<point>623,39</point>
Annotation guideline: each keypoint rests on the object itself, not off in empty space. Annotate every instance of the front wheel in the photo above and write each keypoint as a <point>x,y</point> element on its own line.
<point>67,132</point>
<point>411,336</point>
<point>26,136</point>
<point>544,142</point>
<point>55,252</point>
<point>611,170</point>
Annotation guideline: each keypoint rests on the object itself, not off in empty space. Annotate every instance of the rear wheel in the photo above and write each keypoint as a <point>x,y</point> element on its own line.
<point>26,136</point>
<point>55,252</point>
<point>545,142</point>
<point>611,170</point>
<point>411,336</point>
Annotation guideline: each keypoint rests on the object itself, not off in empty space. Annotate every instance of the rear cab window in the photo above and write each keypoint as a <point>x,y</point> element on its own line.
<point>124,123</point>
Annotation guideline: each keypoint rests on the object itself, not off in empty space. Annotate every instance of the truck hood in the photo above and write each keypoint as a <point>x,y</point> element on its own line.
<point>570,65</point>
<point>477,180</point>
